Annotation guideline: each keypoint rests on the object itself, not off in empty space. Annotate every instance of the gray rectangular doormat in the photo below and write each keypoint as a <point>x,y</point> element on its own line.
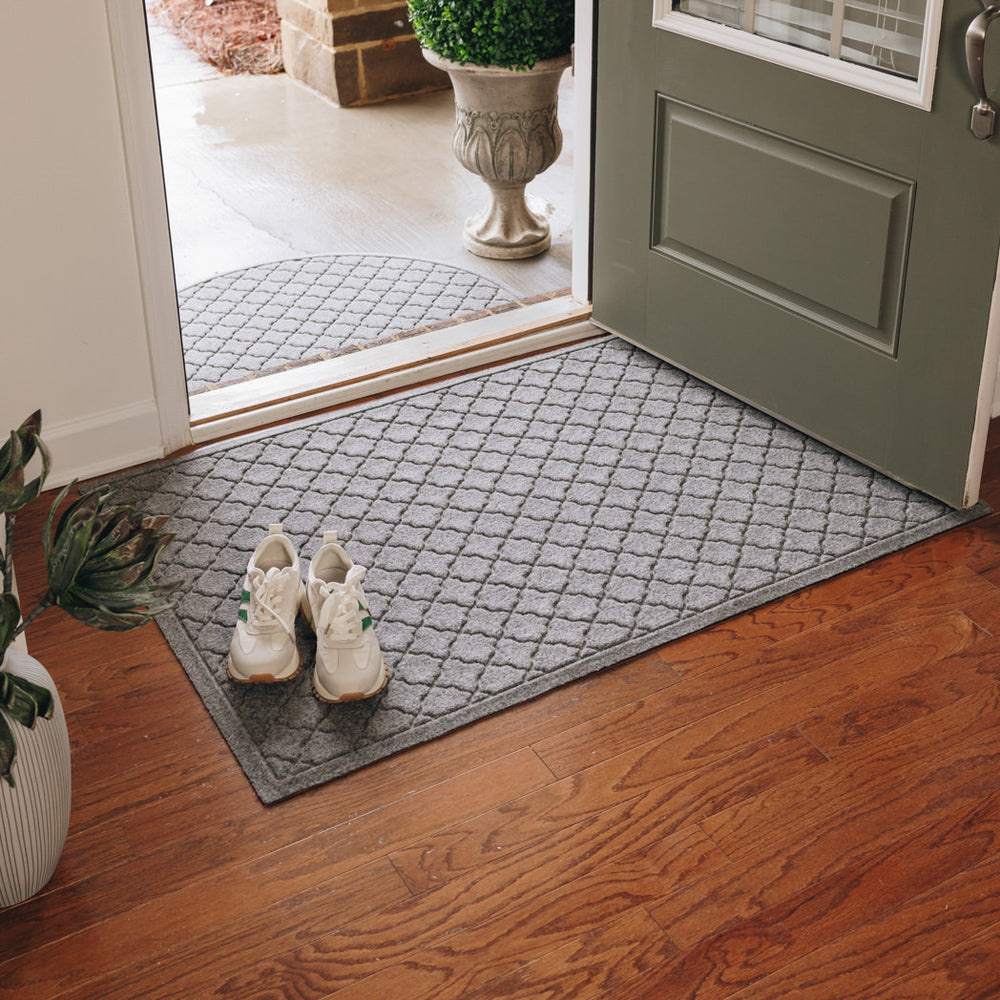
<point>521,527</point>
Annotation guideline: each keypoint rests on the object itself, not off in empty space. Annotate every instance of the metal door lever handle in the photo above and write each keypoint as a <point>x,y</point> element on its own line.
<point>984,113</point>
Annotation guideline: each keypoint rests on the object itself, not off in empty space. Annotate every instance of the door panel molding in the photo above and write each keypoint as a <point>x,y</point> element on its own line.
<point>722,190</point>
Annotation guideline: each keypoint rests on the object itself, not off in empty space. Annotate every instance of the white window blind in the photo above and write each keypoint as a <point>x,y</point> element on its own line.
<point>885,34</point>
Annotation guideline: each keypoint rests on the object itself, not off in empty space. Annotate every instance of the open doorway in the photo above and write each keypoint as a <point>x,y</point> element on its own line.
<point>272,187</point>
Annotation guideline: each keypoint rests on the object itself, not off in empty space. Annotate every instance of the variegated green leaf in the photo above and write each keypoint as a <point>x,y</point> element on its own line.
<point>116,539</point>
<point>135,548</point>
<point>29,493</point>
<point>47,530</point>
<point>10,616</point>
<point>22,710</point>
<point>108,621</point>
<point>8,751</point>
<point>70,542</point>
<point>30,434</point>
<point>11,474</point>
<point>24,701</point>
<point>101,557</point>
<point>10,454</point>
<point>15,455</point>
<point>128,576</point>
<point>146,596</point>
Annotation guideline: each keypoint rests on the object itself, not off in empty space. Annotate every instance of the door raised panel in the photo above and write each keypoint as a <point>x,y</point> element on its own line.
<point>795,226</point>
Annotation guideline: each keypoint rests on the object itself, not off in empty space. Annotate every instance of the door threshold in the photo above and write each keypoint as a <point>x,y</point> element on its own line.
<point>252,403</point>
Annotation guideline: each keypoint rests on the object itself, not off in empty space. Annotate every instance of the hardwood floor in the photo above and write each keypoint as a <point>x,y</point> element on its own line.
<point>802,802</point>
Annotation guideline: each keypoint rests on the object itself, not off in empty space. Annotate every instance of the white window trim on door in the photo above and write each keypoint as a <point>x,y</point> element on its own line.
<point>134,83</point>
<point>917,93</point>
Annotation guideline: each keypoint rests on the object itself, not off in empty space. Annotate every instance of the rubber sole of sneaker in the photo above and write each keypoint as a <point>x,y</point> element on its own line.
<point>280,678</point>
<point>325,696</point>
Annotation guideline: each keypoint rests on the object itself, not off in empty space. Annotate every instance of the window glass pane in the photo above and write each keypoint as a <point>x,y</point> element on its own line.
<point>805,23</point>
<point>722,11</point>
<point>882,34</point>
<point>885,35</point>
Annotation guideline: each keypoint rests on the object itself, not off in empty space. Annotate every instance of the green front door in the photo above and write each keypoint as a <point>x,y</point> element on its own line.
<point>804,235</point>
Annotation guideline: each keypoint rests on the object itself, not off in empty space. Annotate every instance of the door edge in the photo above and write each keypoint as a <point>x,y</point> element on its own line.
<point>987,405</point>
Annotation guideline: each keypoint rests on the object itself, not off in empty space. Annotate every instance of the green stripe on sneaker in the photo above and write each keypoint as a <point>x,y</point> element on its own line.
<point>242,614</point>
<point>366,622</point>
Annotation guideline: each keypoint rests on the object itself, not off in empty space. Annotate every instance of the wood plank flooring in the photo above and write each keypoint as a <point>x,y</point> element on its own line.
<point>802,802</point>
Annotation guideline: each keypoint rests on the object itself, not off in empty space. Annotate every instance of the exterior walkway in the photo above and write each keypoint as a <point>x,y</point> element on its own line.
<point>258,169</point>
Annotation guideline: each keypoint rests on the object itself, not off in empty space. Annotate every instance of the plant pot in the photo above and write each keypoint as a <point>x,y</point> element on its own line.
<point>506,131</point>
<point>34,814</point>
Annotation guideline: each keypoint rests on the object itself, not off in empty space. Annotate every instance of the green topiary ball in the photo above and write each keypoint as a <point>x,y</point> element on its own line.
<point>514,34</point>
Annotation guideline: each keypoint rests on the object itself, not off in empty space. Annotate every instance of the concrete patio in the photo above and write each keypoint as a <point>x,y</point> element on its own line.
<point>259,169</point>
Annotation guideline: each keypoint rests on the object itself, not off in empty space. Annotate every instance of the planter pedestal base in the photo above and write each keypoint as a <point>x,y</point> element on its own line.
<point>506,229</point>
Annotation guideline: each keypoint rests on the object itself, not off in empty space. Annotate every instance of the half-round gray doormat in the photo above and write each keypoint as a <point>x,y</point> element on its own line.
<point>261,318</point>
<point>522,527</point>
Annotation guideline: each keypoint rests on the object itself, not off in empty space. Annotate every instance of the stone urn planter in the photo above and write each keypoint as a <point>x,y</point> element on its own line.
<point>506,131</point>
<point>34,813</point>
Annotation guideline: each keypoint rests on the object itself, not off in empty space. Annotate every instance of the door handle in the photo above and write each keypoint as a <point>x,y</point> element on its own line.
<point>984,113</point>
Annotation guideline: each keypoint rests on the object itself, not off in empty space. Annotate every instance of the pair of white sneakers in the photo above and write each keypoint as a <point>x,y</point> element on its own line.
<point>349,662</point>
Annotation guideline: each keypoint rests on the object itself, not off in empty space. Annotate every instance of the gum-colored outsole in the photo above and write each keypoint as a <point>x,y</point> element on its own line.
<point>352,695</point>
<point>262,678</point>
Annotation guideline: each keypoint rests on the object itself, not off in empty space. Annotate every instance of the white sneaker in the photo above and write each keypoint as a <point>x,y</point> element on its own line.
<point>349,663</point>
<point>263,645</point>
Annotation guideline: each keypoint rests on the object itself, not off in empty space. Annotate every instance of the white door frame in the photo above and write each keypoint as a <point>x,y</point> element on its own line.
<point>144,171</point>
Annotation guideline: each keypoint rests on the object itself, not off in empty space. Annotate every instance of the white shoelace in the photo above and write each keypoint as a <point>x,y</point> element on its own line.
<point>342,613</point>
<point>268,592</point>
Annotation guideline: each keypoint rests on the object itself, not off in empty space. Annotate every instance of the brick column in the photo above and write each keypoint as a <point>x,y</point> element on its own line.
<point>354,51</point>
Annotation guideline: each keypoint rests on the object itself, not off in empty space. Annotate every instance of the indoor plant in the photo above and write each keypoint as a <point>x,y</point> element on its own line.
<point>505,59</point>
<point>100,556</point>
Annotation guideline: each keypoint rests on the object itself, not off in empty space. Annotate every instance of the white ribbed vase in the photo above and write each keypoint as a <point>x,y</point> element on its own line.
<point>506,131</point>
<point>34,815</point>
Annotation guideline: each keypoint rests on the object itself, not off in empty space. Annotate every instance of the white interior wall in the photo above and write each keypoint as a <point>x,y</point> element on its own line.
<point>74,332</point>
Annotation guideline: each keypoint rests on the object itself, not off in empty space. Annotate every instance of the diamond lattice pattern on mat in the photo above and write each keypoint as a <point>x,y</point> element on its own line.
<point>521,527</point>
<point>262,317</point>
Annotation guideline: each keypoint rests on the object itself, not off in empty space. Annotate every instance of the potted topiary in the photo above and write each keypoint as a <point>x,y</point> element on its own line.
<point>505,59</point>
<point>100,556</point>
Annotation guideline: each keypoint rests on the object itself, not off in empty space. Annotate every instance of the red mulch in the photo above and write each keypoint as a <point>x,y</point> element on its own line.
<point>236,36</point>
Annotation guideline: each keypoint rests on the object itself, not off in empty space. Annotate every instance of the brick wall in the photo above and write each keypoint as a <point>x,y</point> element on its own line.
<point>354,51</point>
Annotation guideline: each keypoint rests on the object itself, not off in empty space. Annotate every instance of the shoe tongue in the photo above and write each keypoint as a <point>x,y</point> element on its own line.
<point>262,578</point>
<point>267,593</point>
<point>342,611</point>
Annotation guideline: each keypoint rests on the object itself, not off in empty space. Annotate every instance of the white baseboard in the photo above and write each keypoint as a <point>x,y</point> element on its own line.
<point>103,442</point>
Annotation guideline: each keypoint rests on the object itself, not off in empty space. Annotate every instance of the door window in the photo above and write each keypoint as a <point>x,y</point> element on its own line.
<point>842,40</point>
<point>885,35</point>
